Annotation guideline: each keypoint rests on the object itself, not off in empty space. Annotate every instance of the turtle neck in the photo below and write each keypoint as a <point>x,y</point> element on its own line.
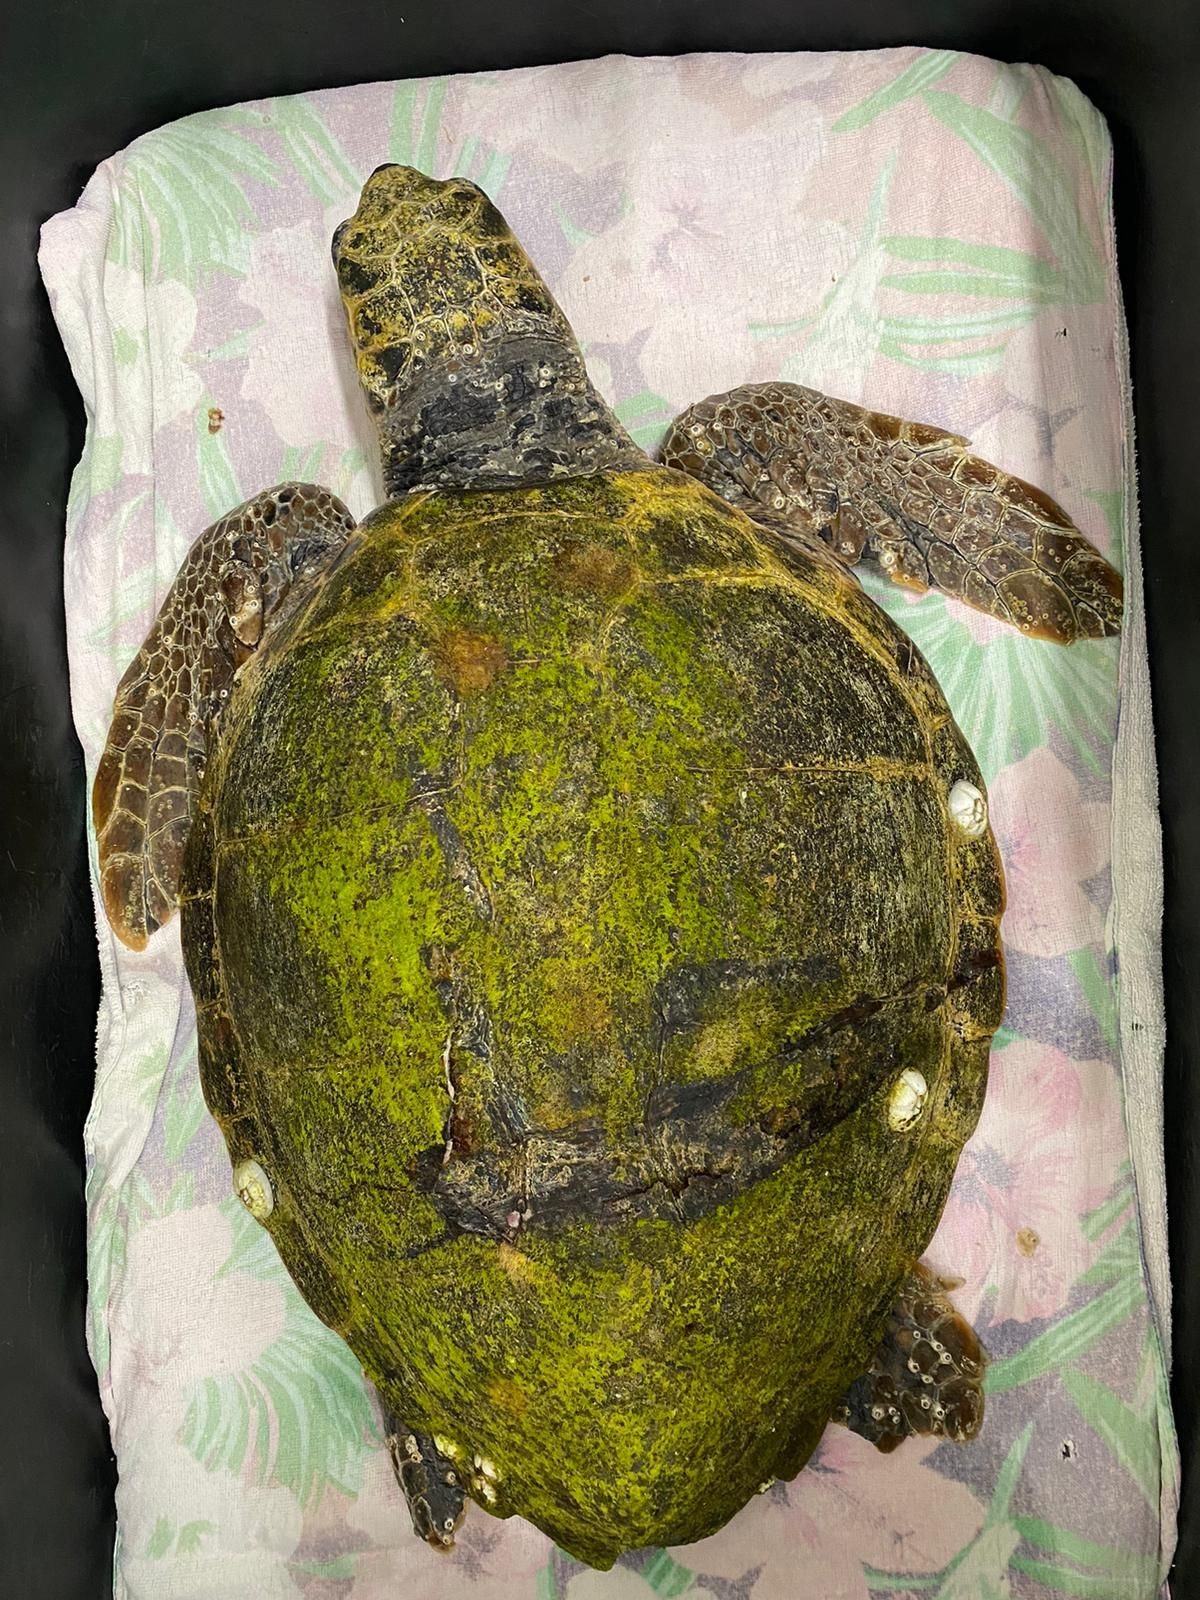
<point>522,412</point>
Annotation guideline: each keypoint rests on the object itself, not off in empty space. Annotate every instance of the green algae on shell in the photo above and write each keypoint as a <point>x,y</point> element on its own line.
<point>586,882</point>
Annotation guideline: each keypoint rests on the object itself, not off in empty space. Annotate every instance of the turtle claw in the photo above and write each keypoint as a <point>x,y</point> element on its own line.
<point>926,1376</point>
<point>431,1484</point>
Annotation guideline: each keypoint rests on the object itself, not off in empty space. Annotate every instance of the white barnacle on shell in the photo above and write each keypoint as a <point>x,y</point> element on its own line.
<point>907,1099</point>
<point>968,809</point>
<point>483,1478</point>
<point>253,1189</point>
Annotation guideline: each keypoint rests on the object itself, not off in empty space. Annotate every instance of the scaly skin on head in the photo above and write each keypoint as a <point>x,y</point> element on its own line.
<point>470,369</point>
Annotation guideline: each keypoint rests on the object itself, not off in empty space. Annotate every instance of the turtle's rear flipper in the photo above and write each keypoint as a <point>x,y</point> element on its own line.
<point>927,1375</point>
<point>906,495</point>
<point>232,585</point>
<point>430,1480</point>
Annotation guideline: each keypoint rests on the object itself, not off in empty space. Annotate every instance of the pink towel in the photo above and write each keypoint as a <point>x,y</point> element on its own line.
<point>927,232</point>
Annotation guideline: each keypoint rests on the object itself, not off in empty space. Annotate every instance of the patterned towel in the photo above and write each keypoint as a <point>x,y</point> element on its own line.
<point>927,232</point>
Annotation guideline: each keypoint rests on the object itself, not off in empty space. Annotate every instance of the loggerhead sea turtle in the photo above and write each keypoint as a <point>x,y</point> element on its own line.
<point>588,898</point>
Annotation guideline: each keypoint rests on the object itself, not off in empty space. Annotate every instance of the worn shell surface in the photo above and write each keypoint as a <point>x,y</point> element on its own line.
<point>574,885</point>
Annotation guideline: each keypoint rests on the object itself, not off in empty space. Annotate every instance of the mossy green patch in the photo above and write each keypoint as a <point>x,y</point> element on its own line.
<point>555,809</point>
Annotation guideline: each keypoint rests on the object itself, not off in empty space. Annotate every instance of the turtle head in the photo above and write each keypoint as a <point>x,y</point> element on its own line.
<point>432,277</point>
<point>470,368</point>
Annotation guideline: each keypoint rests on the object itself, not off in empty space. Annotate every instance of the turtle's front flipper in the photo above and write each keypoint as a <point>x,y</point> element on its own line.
<point>904,494</point>
<point>232,585</point>
<point>926,1376</point>
<point>430,1480</point>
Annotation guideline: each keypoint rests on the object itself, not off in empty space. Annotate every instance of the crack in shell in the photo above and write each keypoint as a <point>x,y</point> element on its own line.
<point>689,1147</point>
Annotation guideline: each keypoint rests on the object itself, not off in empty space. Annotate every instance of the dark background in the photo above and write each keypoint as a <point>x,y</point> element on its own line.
<point>77,84</point>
